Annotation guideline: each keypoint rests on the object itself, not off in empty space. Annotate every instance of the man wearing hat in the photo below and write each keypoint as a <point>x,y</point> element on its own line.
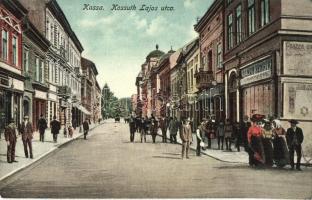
<point>26,130</point>
<point>294,138</point>
<point>10,138</point>
<point>200,132</point>
<point>186,137</point>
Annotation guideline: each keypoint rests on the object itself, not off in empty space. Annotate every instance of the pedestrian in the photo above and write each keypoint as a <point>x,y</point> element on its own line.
<point>254,136</point>
<point>145,128</point>
<point>163,126</point>
<point>220,134</point>
<point>10,138</point>
<point>280,151</point>
<point>154,128</point>
<point>26,129</point>
<point>186,137</point>
<point>55,128</point>
<point>200,132</point>
<point>266,141</point>
<point>85,125</point>
<point>244,126</point>
<point>228,131</point>
<point>294,138</point>
<point>237,135</point>
<point>74,124</point>
<point>42,125</point>
<point>70,131</point>
<point>173,129</point>
<point>132,128</point>
<point>210,132</point>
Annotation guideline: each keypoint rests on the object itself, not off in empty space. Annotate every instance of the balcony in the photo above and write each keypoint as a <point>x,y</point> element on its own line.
<point>64,91</point>
<point>204,79</point>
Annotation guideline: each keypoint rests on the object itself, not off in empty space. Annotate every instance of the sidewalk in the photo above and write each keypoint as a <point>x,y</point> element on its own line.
<point>40,149</point>
<point>227,156</point>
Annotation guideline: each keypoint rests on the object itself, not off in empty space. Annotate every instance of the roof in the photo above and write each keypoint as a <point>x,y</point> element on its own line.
<point>88,63</point>
<point>59,14</point>
<point>208,15</point>
<point>155,54</point>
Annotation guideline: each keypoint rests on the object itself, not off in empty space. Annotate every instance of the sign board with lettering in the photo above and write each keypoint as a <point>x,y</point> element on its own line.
<point>256,71</point>
<point>297,101</point>
<point>297,58</point>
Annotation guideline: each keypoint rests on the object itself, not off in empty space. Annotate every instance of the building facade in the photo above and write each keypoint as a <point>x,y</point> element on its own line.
<point>12,13</point>
<point>210,76</point>
<point>35,48</point>
<point>267,45</point>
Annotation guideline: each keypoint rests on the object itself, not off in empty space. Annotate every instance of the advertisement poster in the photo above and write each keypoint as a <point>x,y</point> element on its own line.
<point>155,99</point>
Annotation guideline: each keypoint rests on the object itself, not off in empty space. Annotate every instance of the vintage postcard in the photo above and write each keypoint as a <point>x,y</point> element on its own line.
<point>156,99</point>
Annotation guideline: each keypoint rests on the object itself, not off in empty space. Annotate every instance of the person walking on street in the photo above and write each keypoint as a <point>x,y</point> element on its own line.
<point>200,132</point>
<point>85,128</point>
<point>42,125</point>
<point>163,123</point>
<point>186,137</point>
<point>228,134</point>
<point>154,128</point>
<point>26,129</point>
<point>220,134</point>
<point>173,129</point>
<point>210,133</point>
<point>132,125</point>
<point>244,126</point>
<point>237,135</point>
<point>294,138</point>
<point>55,128</point>
<point>10,138</point>
<point>144,129</point>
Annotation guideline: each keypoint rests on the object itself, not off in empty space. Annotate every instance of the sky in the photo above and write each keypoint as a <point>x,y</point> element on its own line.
<point>119,41</point>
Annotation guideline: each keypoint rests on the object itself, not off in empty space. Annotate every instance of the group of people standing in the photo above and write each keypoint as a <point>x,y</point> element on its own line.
<point>222,132</point>
<point>266,142</point>
<point>146,126</point>
<point>26,130</point>
<point>269,143</point>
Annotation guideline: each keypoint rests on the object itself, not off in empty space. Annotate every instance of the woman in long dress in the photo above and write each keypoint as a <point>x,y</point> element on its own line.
<point>280,152</point>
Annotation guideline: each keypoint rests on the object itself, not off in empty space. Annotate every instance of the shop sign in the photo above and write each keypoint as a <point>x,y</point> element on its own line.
<point>256,72</point>
<point>4,81</point>
<point>297,58</point>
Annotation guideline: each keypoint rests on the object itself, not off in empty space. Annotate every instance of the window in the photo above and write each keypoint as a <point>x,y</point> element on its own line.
<point>239,24</point>
<point>48,30</point>
<point>52,33</point>
<point>4,45</point>
<point>265,12</point>
<point>229,1</point>
<point>42,71</point>
<point>26,59</point>
<point>192,79</point>
<point>14,50</point>
<point>251,16</point>
<point>230,31</point>
<point>37,69</point>
<point>219,55</point>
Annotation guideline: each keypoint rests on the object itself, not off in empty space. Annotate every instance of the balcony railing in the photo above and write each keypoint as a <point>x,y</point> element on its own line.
<point>64,91</point>
<point>204,79</point>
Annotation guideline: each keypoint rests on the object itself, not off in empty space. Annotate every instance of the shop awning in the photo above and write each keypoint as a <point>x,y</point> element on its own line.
<point>82,109</point>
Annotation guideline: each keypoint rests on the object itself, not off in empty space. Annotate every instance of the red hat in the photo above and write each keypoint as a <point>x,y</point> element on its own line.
<point>257,117</point>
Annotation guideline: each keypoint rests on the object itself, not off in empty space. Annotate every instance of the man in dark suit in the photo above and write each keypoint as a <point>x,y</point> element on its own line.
<point>55,128</point>
<point>85,125</point>
<point>294,138</point>
<point>10,138</point>
<point>42,125</point>
<point>132,126</point>
<point>26,130</point>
